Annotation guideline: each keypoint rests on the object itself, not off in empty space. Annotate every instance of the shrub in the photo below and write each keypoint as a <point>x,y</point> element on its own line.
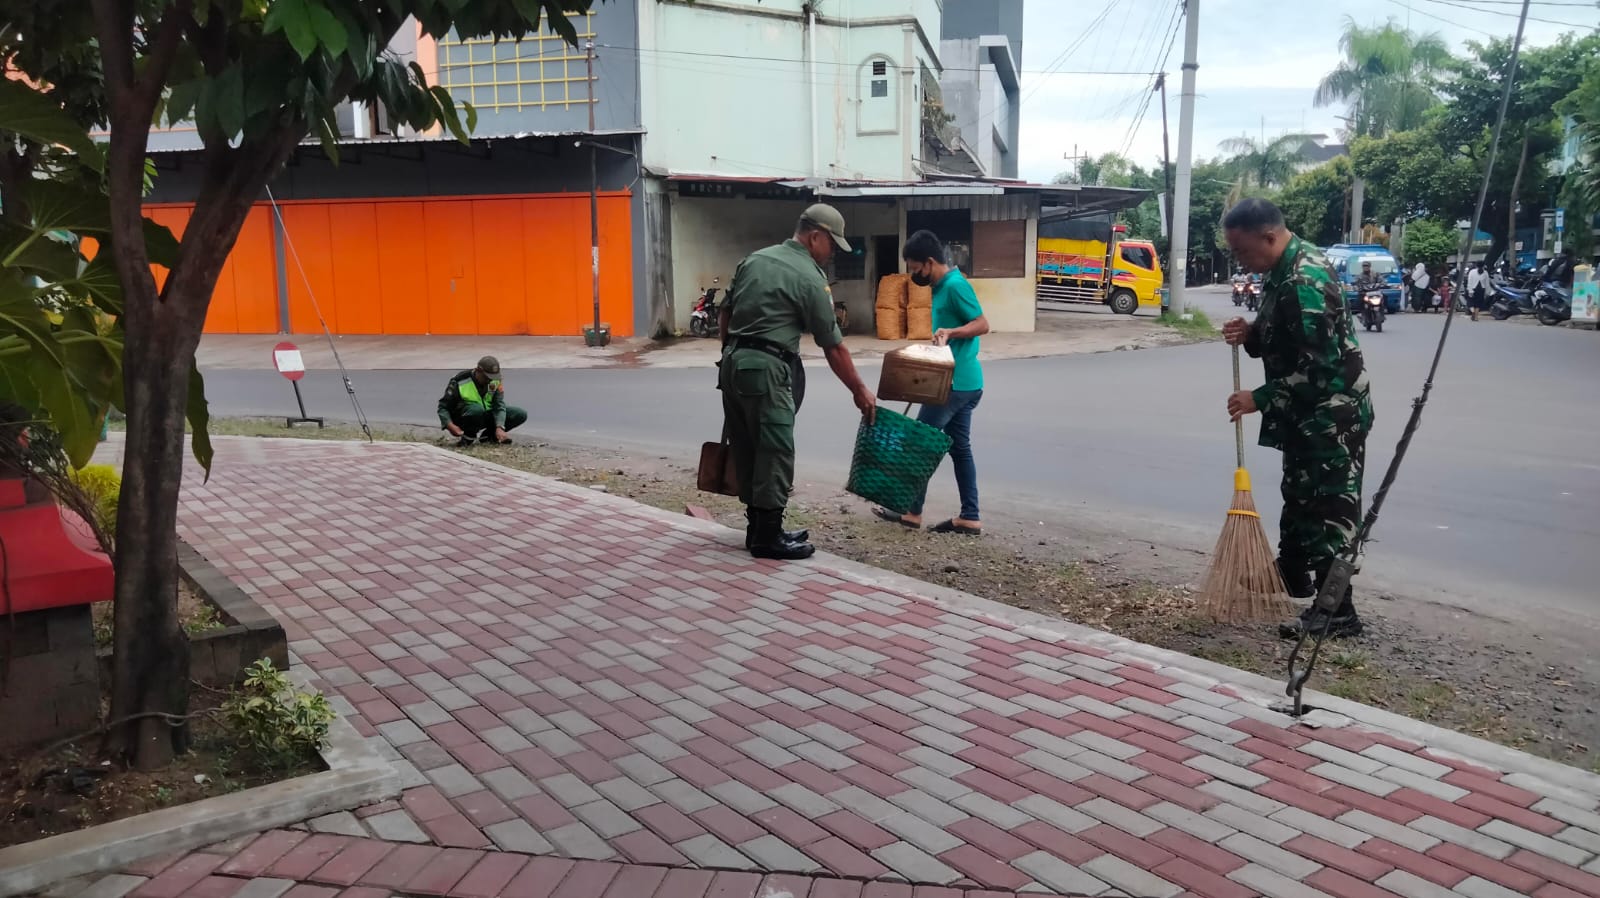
<point>103,486</point>
<point>282,725</point>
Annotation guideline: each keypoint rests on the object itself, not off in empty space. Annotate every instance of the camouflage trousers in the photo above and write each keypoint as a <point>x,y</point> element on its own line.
<point>1321,504</point>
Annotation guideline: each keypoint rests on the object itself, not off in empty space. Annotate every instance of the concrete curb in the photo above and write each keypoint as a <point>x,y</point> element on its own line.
<point>357,775</point>
<point>1333,711</point>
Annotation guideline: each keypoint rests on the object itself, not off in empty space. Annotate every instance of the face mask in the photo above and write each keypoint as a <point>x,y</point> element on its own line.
<point>921,278</point>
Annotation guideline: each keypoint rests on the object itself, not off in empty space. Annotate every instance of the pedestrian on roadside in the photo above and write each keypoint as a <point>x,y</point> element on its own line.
<point>1478,289</point>
<point>473,407</point>
<point>958,322</point>
<point>1315,405</point>
<point>1420,297</point>
<point>778,295</point>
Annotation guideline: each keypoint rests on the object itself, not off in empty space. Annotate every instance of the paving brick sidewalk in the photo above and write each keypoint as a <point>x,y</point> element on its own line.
<point>593,700</point>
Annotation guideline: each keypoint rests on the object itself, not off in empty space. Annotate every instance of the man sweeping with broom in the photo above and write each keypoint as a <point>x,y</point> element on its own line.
<point>1315,405</point>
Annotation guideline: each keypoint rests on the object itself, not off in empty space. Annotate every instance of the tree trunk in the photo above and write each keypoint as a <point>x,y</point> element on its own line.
<point>151,673</point>
<point>1511,203</point>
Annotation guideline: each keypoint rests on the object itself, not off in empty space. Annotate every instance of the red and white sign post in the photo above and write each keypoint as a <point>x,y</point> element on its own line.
<point>287,359</point>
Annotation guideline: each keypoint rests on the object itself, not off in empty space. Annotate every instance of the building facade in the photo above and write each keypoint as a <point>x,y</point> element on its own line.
<point>715,123</point>
<point>981,47</point>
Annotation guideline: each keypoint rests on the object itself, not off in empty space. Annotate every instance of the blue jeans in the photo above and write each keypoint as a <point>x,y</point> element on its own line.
<point>955,419</point>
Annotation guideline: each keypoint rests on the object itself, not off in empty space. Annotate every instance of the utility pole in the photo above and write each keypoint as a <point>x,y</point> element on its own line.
<point>599,338</point>
<point>1179,261</point>
<point>1077,164</point>
<point>1166,156</point>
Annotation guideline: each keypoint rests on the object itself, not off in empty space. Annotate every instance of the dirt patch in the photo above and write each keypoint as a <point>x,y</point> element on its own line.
<point>74,786</point>
<point>195,615</point>
<point>1416,659</point>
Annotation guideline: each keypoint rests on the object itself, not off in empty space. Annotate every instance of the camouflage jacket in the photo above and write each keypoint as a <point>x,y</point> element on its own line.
<point>1316,379</point>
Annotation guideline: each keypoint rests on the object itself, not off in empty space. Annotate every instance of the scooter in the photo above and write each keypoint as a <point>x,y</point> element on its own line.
<point>1253,297</point>
<point>1511,301</point>
<point>703,319</point>
<point>1240,291</point>
<point>1552,305</point>
<point>1372,314</point>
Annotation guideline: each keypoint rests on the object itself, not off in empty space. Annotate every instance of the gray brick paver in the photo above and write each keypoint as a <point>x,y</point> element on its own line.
<point>570,657</point>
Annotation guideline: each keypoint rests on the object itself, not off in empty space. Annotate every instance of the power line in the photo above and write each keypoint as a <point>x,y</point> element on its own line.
<point>1460,4</point>
<point>1062,57</point>
<point>850,65</point>
<point>1406,5</point>
<point>1133,129</point>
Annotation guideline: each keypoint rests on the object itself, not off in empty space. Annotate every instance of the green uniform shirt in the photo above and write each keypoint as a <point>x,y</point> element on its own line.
<point>1303,333</point>
<point>779,294</point>
<point>956,305</point>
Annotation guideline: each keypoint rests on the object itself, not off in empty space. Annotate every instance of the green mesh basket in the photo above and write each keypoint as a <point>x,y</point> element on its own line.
<point>895,458</point>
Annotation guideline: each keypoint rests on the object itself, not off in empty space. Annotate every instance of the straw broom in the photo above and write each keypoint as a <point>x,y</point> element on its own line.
<point>1243,583</point>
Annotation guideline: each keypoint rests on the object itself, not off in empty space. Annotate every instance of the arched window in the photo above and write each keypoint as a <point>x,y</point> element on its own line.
<point>878,97</point>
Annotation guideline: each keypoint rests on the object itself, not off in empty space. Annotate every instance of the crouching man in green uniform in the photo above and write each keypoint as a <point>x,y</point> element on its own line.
<point>778,295</point>
<point>474,408</point>
<point>1315,406</point>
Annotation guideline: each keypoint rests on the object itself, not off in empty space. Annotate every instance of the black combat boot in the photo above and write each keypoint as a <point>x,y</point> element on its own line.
<point>766,539</point>
<point>794,536</point>
<point>1343,623</point>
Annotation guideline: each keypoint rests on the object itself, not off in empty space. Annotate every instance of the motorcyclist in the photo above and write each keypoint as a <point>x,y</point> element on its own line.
<point>1366,282</point>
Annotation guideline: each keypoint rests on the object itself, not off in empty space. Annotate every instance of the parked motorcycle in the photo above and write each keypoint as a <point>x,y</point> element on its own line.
<point>1372,314</point>
<point>1512,297</point>
<point>703,318</point>
<point>1552,305</point>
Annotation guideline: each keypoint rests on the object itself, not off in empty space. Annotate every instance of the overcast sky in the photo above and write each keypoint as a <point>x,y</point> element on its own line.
<point>1260,62</point>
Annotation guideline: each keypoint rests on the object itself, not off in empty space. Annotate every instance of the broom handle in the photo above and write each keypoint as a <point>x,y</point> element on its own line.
<point>1238,426</point>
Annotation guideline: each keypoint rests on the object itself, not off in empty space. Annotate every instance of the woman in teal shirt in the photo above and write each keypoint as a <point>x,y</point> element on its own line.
<point>958,322</point>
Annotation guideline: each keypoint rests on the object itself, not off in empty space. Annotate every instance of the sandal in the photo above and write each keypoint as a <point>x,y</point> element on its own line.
<point>884,514</point>
<point>951,526</point>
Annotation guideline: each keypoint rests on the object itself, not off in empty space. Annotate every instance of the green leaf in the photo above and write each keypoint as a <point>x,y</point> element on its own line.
<point>181,99</point>
<point>330,31</point>
<point>472,117</point>
<point>38,255</point>
<point>294,18</point>
<point>448,115</point>
<point>36,116</point>
<point>363,51</point>
<point>227,97</point>
<point>160,244</point>
<point>199,416</point>
<point>98,281</point>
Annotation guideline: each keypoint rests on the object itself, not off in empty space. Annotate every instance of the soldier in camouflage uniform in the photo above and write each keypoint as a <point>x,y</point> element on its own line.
<point>1315,406</point>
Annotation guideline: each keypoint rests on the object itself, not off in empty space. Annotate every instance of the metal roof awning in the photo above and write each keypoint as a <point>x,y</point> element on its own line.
<point>1067,201</point>
<point>446,138</point>
<point>1058,201</point>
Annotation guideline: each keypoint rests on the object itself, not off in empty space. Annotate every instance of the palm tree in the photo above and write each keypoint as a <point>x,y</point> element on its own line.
<point>1267,163</point>
<point>1386,77</point>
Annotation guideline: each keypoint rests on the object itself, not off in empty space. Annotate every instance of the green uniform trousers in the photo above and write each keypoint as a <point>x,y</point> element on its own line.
<point>1322,476</point>
<point>758,412</point>
<point>473,422</point>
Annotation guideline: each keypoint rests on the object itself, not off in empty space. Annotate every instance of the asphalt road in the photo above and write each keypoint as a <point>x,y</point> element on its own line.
<point>1497,509</point>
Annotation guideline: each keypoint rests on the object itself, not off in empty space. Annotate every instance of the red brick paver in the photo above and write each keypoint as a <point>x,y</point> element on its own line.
<point>588,699</point>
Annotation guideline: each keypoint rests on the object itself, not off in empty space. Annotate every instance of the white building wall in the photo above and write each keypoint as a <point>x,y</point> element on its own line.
<point>727,88</point>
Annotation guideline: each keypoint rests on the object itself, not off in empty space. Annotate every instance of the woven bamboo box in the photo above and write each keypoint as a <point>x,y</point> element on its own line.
<point>920,374</point>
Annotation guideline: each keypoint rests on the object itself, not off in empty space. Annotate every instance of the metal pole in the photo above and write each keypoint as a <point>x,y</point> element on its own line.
<point>1179,262</point>
<point>299,401</point>
<point>594,192</point>
<point>1166,151</point>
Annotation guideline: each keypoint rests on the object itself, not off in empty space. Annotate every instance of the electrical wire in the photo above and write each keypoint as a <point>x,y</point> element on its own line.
<point>344,374</point>
<point>782,60</point>
<point>1462,4</point>
<point>1061,58</point>
<point>1133,129</point>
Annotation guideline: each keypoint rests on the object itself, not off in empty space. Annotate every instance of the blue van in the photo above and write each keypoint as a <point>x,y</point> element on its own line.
<point>1346,259</point>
